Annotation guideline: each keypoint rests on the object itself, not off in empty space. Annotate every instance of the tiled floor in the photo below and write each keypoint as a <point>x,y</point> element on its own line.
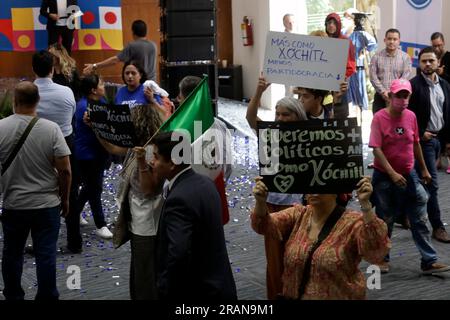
<point>104,270</point>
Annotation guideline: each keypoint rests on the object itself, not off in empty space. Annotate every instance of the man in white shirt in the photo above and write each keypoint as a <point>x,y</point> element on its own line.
<point>57,21</point>
<point>288,22</point>
<point>57,104</point>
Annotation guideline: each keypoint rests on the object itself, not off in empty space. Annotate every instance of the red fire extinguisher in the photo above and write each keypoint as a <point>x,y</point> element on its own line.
<point>247,32</point>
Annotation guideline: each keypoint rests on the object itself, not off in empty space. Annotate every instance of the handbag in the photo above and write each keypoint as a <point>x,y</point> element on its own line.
<point>121,233</point>
<point>19,145</point>
<point>326,229</point>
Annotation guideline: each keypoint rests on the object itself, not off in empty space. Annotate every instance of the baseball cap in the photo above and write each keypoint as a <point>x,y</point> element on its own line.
<point>401,84</point>
<point>350,11</point>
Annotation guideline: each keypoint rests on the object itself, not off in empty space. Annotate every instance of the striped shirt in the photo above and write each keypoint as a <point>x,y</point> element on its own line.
<point>62,13</point>
<point>437,100</point>
<point>385,68</point>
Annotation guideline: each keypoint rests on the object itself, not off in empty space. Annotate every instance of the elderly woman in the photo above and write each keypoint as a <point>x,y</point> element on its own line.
<point>325,243</point>
<point>286,110</point>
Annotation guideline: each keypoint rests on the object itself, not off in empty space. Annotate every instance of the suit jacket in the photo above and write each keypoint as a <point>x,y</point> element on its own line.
<point>420,104</point>
<point>50,6</point>
<point>192,257</point>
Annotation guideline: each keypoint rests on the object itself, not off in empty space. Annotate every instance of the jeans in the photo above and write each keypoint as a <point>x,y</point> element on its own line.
<point>387,196</point>
<point>44,226</point>
<point>431,151</point>
<point>92,186</point>
<point>74,240</point>
<point>378,103</point>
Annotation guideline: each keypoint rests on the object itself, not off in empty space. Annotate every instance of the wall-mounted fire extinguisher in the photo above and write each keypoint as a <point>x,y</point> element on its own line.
<point>247,32</point>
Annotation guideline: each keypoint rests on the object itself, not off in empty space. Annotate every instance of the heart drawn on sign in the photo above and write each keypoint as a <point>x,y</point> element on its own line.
<point>283,183</point>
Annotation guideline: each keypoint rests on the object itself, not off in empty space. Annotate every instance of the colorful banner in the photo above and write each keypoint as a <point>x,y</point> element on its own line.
<point>22,28</point>
<point>415,36</point>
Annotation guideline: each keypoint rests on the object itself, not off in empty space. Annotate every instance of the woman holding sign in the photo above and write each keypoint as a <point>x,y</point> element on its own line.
<point>287,110</point>
<point>90,156</point>
<point>139,211</point>
<point>65,69</point>
<point>324,243</point>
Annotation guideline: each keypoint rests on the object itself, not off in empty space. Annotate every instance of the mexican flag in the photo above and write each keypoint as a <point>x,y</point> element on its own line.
<point>209,138</point>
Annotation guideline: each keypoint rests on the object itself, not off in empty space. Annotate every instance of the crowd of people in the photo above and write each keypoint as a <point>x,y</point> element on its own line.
<point>411,115</point>
<point>53,164</point>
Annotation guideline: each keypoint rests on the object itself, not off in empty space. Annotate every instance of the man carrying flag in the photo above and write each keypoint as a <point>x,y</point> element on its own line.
<point>192,257</point>
<point>211,141</point>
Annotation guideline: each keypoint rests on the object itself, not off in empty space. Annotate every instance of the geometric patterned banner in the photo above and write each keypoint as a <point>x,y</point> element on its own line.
<point>22,28</point>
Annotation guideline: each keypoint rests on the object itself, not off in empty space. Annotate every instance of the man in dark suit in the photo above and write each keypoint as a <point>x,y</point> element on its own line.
<point>430,101</point>
<point>57,21</point>
<point>192,257</point>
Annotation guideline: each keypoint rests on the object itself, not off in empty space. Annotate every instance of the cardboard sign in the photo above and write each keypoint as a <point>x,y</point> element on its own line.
<point>113,124</point>
<point>305,61</point>
<point>314,156</point>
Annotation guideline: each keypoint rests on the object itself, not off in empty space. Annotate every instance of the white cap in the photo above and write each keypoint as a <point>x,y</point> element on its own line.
<point>156,88</point>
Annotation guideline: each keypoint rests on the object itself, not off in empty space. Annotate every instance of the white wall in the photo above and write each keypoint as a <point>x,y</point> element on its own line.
<point>267,15</point>
<point>446,22</point>
<point>250,57</point>
<point>388,19</point>
<point>278,8</point>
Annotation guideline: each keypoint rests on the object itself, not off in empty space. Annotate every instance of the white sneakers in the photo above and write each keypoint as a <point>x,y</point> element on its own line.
<point>104,233</point>
<point>83,221</point>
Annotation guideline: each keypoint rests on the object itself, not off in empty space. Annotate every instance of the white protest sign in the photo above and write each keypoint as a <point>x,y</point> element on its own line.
<point>305,61</point>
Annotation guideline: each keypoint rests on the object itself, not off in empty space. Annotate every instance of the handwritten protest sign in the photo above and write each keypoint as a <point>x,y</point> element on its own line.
<point>113,124</point>
<point>315,156</point>
<point>305,61</point>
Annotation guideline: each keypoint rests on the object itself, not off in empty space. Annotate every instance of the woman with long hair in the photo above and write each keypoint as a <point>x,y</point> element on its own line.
<point>65,69</point>
<point>134,93</point>
<point>139,211</point>
<point>286,110</point>
<point>90,156</point>
<point>133,76</point>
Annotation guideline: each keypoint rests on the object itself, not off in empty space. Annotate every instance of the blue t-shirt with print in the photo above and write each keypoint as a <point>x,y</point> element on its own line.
<point>87,147</point>
<point>132,98</point>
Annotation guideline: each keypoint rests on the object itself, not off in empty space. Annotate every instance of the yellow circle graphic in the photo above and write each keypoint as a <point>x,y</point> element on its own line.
<point>24,41</point>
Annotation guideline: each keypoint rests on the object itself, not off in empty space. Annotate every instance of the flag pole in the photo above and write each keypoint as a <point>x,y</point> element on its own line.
<point>133,157</point>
